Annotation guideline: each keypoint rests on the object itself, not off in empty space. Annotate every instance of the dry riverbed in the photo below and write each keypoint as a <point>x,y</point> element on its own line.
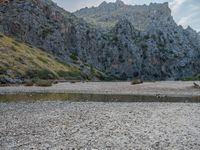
<point>169,88</point>
<point>90,125</point>
<point>55,124</point>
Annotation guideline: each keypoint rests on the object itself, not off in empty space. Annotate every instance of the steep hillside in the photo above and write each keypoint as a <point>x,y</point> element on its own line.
<point>19,61</point>
<point>133,41</point>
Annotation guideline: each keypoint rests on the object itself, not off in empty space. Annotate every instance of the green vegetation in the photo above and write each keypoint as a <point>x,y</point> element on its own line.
<point>194,78</point>
<point>144,46</point>
<point>97,74</point>
<point>28,83</point>
<point>42,83</point>
<point>36,67</point>
<point>74,56</point>
<point>137,81</point>
<point>70,75</point>
<point>20,60</point>
<point>41,74</point>
<point>115,38</point>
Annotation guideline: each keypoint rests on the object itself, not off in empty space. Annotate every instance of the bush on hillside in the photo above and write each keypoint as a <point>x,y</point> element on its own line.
<point>138,81</point>
<point>40,74</point>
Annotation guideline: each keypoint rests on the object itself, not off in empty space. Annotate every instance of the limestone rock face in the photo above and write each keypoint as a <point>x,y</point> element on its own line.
<point>107,14</point>
<point>132,41</point>
<point>38,22</point>
<point>162,50</point>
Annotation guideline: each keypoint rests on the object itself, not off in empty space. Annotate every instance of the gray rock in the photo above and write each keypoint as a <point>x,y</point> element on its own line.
<point>133,41</point>
<point>107,14</point>
<point>8,80</point>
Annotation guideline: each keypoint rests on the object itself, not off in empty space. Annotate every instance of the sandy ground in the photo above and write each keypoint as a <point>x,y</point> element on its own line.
<point>90,125</point>
<point>169,88</point>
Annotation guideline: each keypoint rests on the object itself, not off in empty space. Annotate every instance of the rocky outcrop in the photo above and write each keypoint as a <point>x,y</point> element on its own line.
<point>40,23</point>
<point>107,14</point>
<point>134,41</point>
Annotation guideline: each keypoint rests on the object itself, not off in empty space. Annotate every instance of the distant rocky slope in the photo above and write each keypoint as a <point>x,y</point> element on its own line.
<point>141,16</point>
<point>133,41</point>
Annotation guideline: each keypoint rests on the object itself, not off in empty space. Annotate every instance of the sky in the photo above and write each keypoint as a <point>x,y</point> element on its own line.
<point>185,12</point>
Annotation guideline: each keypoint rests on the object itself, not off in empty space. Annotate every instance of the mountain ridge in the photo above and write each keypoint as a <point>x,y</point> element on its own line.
<point>139,15</point>
<point>159,50</point>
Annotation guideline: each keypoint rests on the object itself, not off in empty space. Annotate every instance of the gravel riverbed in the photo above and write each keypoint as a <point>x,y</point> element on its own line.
<point>97,125</point>
<point>168,88</point>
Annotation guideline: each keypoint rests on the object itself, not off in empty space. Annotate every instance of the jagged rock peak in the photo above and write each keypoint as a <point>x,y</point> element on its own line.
<point>165,4</point>
<point>119,2</point>
<point>163,7</point>
<point>104,3</point>
<point>141,16</point>
<point>189,28</point>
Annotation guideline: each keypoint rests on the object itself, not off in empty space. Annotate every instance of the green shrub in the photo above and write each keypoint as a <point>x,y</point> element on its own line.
<point>43,83</point>
<point>146,37</point>
<point>40,74</point>
<point>15,43</point>
<point>144,46</point>
<point>73,81</point>
<point>28,83</point>
<point>69,75</point>
<point>42,60</point>
<point>115,38</point>
<point>74,56</point>
<point>137,81</point>
<point>14,48</point>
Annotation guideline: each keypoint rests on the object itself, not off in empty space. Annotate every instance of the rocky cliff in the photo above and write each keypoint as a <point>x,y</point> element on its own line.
<point>133,41</point>
<point>141,16</point>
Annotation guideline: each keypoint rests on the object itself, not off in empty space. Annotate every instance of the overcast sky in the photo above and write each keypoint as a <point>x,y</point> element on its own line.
<point>185,12</point>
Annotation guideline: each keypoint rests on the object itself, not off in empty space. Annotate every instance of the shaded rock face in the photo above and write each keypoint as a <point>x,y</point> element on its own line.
<point>136,42</point>
<point>37,22</point>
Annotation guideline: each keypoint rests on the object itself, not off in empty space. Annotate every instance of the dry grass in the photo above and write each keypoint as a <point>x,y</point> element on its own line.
<point>22,58</point>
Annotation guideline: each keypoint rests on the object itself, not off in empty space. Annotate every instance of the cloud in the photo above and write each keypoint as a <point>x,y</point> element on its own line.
<point>176,5</point>
<point>186,12</point>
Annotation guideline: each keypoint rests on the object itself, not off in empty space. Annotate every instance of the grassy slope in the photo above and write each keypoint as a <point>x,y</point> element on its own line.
<point>29,62</point>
